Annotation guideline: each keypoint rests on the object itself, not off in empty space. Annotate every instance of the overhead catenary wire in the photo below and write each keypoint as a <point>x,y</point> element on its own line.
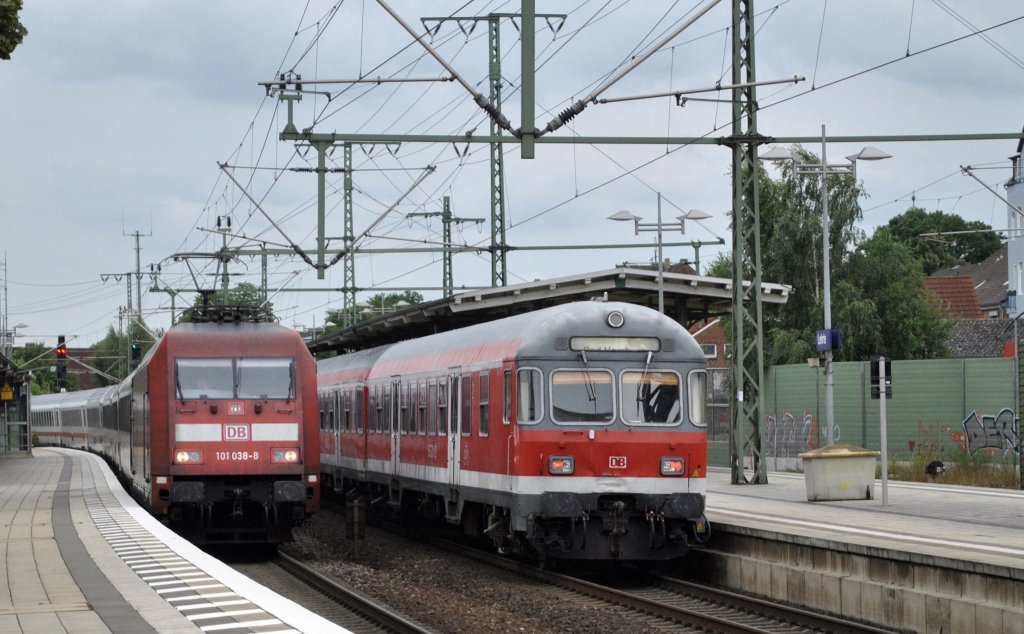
<point>516,225</point>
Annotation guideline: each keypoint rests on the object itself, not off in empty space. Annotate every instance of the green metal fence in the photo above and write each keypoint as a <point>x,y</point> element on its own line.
<point>958,405</point>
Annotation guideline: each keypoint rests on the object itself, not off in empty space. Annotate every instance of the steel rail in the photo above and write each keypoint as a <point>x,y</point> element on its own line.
<point>358,603</point>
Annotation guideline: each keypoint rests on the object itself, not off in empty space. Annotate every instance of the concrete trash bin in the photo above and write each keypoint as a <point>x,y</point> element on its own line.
<point>840,472</point>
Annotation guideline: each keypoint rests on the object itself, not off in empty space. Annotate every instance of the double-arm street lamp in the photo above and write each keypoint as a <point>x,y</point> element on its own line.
<point>822,170</point>
<point>659,226</point>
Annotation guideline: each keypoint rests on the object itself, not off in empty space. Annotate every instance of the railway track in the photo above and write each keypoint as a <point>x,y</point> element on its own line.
<point>660,602</point>
<point>336,603</point>
<point>677,602</point>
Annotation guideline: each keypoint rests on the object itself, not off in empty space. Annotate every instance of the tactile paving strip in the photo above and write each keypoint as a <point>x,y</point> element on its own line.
<point>205,601</point>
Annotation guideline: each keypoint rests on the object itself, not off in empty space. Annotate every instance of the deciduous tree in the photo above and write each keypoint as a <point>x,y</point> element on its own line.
<point>971,242</point>
<point>12,31</point>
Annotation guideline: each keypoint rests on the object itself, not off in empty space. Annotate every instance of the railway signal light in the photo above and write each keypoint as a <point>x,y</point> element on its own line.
<point>62,370</point>
<point>876,382</point>
<point>136,353</point>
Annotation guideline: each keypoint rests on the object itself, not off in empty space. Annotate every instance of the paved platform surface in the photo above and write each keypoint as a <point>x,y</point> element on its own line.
<point>77,554</point>
<point>960,523</point>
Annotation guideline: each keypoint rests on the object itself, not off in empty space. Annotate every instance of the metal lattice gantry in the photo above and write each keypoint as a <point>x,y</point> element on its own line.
<point>748,335</point>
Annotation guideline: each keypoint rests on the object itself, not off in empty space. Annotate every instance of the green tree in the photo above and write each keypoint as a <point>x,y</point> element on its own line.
<point>971,242</point>
<point>12,31</point>
<point>42,361</point>
<point>904,324</point>
<point>113,354</point>
<point>878,298</point>
<point>791,240</point>
<point>373,307</point>
<point>244,295</point>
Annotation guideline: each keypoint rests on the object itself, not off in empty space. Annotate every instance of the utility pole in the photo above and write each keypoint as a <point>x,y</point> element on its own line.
<point>7,349</point>
<point>746,431</point>
<point>138,271</point>
<point>446,220</point>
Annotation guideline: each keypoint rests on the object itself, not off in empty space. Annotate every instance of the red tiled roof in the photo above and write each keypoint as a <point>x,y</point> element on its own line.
<point>989,278</point>
<point>956,295</point>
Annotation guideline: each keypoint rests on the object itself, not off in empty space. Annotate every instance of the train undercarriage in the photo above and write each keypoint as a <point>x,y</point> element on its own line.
<point>564,526</point>
<point>237,510</point>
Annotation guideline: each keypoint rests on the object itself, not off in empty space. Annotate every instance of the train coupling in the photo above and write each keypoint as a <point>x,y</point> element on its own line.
<point>617,523</point>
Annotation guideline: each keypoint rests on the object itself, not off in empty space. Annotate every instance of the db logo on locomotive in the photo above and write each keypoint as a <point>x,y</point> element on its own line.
<point>236,432</point>
<point>616,462</point>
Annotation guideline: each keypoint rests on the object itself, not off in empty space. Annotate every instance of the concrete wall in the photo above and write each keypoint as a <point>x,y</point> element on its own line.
<point>889,589</point>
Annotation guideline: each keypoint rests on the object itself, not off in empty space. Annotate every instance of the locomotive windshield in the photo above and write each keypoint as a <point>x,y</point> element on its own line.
<point>650,397</point>
<point>265,378</point>
<point>582,396</point>
<point>235,378</point>
<point>205,378</point>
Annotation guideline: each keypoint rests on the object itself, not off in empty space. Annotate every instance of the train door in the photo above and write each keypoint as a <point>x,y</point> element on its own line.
<point>397,401</point>
<point>138,433</point>
<point>454,441</point>
<point>133,434</point>
<point>145,433</point>
<point>334,430</point>
<point>362,417</point>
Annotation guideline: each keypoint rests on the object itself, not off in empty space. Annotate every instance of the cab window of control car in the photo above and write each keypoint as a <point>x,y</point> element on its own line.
<point>582,396</point>
<point>204,378</point>
<point>650,397</point>
<point>266,378</point>
<point>529,407</point>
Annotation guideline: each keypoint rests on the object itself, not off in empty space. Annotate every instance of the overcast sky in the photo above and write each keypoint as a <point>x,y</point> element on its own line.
<point>114,121</point>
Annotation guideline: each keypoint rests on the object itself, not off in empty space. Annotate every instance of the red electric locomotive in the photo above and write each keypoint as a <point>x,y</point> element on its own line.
<point>572,432</point>
<point>216,430</point>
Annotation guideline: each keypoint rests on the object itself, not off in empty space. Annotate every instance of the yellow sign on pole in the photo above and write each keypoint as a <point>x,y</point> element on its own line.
<point>6,393</point>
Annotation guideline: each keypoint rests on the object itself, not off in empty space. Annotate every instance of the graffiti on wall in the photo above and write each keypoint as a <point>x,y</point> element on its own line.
<point>1000,432</point>
<point>789,437</point>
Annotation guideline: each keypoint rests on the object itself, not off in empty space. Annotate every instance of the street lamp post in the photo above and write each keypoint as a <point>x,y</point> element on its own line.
<point>659,226</point>
<point>822,170</point>
<point>9,337</point>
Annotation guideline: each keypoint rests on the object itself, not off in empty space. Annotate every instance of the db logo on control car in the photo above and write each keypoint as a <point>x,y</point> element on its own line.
<point>617,462</point>
<point>236,432</point>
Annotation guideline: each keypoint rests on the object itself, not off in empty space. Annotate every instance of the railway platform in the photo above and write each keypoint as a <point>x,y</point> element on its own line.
<point>77,554</point>
<point>934,558</point>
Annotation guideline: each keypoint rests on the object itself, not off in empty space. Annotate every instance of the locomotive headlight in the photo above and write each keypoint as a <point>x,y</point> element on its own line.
<point>672,466</point>
<point>284,455</point>
<point>189,456</point>
<point>561,465</point>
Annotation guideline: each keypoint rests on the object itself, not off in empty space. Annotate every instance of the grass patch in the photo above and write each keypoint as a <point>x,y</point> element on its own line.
<point>960,468</point>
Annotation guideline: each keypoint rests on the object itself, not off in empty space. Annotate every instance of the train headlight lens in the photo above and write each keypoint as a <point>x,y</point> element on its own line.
<point>284,455</point>
<point>561,465</point>
<point>189,456</point>
<point>672,466</point>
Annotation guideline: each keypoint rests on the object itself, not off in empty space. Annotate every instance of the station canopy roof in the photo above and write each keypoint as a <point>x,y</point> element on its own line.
<point>689,298</point>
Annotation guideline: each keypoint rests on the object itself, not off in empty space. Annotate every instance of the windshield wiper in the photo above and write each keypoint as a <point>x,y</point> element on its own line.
<point>589,381</point>
<point>643,389</point>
